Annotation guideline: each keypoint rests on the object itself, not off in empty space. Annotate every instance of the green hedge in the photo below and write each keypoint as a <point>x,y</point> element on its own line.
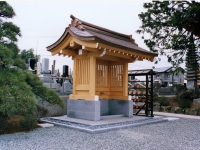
<point>163,101</point>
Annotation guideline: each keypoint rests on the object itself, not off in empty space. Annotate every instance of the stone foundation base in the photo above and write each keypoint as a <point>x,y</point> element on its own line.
<point>92,110</point>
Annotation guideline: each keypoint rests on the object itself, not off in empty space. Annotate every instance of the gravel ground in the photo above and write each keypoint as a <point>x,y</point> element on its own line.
<point>182,134</point>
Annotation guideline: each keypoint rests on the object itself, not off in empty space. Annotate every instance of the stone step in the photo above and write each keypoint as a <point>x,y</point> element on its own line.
<point>45,125</point>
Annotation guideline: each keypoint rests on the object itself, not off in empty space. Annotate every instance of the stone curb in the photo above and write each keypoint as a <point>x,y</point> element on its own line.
<point>107,129</point>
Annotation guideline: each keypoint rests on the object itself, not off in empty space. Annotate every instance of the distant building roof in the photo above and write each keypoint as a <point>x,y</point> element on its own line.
<point>163,69</point>
<point>140,72</point>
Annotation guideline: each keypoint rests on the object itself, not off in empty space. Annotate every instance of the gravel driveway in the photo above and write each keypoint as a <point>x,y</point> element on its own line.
<point>182,134</point>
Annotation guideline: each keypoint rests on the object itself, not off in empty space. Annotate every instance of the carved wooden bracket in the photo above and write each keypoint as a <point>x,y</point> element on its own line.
<point>76,23</point>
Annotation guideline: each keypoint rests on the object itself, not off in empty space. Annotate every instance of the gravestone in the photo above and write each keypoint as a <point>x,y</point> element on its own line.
<point>45,65</point>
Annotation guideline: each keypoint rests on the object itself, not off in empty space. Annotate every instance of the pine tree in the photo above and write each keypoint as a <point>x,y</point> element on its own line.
<point>18,87</point>
<point>173,30</point>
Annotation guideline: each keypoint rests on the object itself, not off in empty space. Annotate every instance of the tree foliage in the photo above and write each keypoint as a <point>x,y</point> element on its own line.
<point>26,54</point>
<point>173,28</point>
<point>18,86</point>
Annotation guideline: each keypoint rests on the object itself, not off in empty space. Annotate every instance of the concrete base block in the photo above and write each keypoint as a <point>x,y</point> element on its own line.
<point>83,109</point>
<point>116,107</point>
<point>92,110</point>
<point>121,107</point>
<point>104,107</point>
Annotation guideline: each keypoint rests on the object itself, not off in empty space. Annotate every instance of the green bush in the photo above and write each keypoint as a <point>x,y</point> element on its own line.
<point>184,103</point>
<point>177,88</point>
<point>3,123</point>
<point>163,101</point>
<point>168,108</point>
<point>188,94</point>
<point>197,110</point>
<point>28,123</point>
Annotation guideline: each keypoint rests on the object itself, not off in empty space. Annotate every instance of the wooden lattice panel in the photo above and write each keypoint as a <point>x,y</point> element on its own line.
<point>83,67</point>
<point>101,74</point>
<point>116,75</point>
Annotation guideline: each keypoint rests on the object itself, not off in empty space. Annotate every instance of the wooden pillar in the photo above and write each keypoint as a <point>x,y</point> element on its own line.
<point>74,77</point>
<point>152,94</point>
<point>147,96</point>
<point>125,79</point>
<point>92,76</point>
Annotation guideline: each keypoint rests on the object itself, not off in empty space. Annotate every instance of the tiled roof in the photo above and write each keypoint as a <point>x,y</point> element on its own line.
<point>89,32</point>
<point>115,39</point>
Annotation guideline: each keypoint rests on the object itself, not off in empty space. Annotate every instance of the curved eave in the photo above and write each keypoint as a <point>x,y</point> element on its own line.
<point>94,39</point>
<point>125,48</point>
<point>65,34</point>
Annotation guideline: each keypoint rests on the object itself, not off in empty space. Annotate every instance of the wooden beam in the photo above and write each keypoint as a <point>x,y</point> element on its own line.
<point>140,59</point>
<point>83,52</point>
<point>91,49</point>
<point>69,52</point>
<point>79,57</point>
<point>106,57</point>
<point>86,97</point>
<point>95,54</point>
<point>130,60</point>
<point>119,97</point>
<point>118,54</point>
<point>111,58</point>
<point>125,51</point>
<point>85,43</point>
<point>127,56</point>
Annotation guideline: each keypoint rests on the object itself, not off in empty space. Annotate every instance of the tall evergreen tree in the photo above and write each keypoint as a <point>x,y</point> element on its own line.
<point>173,29</point>
<point>18,87</point>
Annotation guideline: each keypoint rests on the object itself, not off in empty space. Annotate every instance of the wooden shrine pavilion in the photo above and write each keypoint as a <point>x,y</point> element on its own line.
<point>100,71</point>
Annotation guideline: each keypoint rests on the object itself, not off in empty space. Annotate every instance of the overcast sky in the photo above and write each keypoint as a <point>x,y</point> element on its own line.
<point>42,23</point>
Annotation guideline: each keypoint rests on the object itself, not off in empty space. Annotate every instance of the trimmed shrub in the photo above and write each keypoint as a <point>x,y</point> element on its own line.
<point>184,103</point>
<point>3,123</point>
<point>28,123</point>
<point>188,94</point>
<point>163,101</point>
